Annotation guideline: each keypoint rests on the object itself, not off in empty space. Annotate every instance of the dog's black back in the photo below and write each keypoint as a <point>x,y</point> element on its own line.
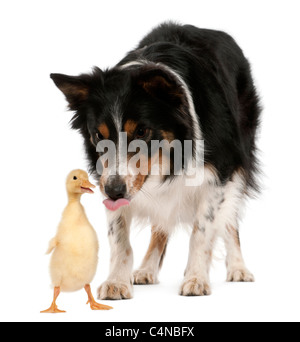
<point>225,99</point>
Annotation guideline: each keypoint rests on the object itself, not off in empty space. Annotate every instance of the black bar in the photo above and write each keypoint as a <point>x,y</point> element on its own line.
<point>140,331</point>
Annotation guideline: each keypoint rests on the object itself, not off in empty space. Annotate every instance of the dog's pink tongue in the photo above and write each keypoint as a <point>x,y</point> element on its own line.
<point>115,205</point>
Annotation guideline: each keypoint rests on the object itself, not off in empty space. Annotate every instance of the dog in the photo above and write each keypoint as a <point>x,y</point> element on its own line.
<point>181,83</point>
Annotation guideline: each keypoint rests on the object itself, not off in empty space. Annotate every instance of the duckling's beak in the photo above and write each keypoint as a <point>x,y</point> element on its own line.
<point>86,187</point>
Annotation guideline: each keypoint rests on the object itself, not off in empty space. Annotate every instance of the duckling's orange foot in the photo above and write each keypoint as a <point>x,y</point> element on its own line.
<point>96,306</point>
<point>53,310</point>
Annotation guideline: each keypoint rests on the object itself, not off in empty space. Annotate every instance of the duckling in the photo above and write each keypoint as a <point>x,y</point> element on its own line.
<point>75,247</point>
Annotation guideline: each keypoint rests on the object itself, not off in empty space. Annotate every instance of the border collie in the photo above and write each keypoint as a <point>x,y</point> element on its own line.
<point>186,84</point>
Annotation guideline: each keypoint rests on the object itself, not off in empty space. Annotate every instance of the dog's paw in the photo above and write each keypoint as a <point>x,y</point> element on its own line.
<point>114,290</point>
<point>144,277</point>
<point>195,287</point>
<point>240,275</point>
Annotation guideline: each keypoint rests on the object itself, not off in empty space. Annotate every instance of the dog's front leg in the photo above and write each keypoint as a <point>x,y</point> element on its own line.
<point>119,283</point>
<point>196,281</point>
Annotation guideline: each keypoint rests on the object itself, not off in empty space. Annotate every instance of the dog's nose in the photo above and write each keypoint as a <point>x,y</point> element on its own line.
<point>115,191</point>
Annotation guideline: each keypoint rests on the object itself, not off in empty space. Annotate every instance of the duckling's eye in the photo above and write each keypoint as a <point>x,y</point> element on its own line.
<point>75,178</point>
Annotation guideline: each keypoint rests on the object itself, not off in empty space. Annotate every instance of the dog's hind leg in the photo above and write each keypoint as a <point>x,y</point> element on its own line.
<point>148,272</point>
<point>230,207</point>
<point>236,269</point>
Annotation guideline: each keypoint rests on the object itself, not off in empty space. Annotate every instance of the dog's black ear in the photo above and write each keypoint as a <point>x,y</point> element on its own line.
<point>159,84</point>
<point>75,88</point>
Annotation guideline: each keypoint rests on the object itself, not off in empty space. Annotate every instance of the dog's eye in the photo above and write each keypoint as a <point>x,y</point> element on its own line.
<point>75,178</point>
<point>99,137</point>
<point>141,133</point>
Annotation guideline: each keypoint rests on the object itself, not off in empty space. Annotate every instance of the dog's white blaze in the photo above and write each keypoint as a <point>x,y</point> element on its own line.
<point>117,115</point>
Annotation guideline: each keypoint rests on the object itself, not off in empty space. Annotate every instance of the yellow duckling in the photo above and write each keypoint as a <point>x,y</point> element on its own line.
<point>75,247</point>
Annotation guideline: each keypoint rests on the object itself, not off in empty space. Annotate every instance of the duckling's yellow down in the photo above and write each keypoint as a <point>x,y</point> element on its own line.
<point>75,256</point>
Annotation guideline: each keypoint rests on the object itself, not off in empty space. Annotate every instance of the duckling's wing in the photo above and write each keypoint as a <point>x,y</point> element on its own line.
<point>52,245</point>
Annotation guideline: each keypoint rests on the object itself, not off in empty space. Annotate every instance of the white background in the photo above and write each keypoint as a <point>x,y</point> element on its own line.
<point>38,150</point>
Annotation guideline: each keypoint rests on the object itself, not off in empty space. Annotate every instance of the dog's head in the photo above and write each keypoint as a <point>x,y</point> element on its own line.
<point>147,102</point>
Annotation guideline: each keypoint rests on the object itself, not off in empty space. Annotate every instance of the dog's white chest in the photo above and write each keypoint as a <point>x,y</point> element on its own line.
<point>167,205</point>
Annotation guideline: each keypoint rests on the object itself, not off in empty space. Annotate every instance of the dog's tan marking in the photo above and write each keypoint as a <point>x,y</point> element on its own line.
<point>130,127</point>
<point>139,182</point>
<point>234,233</point>
<point>169,136</point>
<point>158,241</point>
<point>148,272</point>
<point>103,129</point>
<point>103,179</point>
<point>102,184</point>
<point>135,183</point>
